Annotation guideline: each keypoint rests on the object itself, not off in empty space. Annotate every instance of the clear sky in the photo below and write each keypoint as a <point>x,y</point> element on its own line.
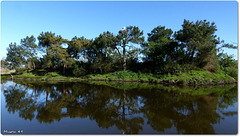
<point>89,19</point>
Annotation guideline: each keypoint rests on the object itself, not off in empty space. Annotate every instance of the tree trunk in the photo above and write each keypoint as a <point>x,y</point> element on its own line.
<point>119,56</point>
<point>192,54</point>
<point>84,56</point>
<point>29,65</point>
<point>64,69</point>
<point>76,56</point>
<point>34,66</point>
<point>124,59</point>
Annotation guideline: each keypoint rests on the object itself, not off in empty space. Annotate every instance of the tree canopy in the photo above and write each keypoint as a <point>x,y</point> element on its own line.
<point>194,46</point>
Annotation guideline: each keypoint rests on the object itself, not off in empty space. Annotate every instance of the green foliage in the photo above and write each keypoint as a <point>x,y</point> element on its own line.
<point>30,74</point>
<point>77,47</point>
<point>233,72</point>
<point>131,35</point>
<point>156,49</point>
<point>15,56</point>
<point>228,65</point>
<point>226,60</point>
<point>59,56</point>
<point>29,46</point>
<point>101,54</point>
<point>123,75</point>
<point>78,71</point>
<point>4,63</point>
<point>194,77</point>
<point>168,57</point>
<point>200,41</point>
<point>48,38</point>
<point>56,56</point>
<point>30,50</point>
<point>20,71</point>
<point>226,45</point>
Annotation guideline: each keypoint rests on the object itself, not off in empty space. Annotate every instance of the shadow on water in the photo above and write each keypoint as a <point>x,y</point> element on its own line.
<point>127,106</point>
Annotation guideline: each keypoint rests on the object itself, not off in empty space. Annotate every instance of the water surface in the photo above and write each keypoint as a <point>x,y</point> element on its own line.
<point>116,108</point>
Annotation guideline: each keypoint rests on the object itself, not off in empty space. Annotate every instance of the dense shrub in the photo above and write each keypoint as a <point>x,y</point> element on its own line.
<point>79,71</point>
<point>20,71</point>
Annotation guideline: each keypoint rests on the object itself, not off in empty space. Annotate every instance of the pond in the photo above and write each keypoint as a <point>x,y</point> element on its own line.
<point>117,108</point>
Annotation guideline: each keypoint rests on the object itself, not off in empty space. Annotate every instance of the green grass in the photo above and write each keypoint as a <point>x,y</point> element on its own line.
<point>122,75</point>
<point>191,77</point>
<point>194,77</point>
<point>32,75</point>
<point>198,77</point>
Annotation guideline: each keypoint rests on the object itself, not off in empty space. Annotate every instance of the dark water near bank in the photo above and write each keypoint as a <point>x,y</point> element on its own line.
<point>117,108</point>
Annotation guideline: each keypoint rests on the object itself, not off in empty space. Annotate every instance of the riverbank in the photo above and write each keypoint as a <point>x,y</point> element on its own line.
<point>198,90</point>
<point>193,77</point>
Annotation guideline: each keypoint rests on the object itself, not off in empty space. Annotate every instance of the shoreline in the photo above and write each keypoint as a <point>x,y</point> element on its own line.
<point>193,77</point>
<point>119,80</point>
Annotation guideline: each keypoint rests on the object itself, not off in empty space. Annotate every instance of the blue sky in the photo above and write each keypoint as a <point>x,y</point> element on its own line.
<point>89,19</point>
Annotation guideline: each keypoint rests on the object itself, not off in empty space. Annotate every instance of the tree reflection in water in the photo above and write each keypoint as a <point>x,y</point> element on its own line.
<point>126,108</point>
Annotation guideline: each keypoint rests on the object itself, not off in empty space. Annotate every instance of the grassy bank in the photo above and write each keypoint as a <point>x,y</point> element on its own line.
<point>188,78</point>
<point>193,77</point>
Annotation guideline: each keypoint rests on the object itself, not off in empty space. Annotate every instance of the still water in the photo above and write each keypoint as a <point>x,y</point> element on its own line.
<point>116,108</point>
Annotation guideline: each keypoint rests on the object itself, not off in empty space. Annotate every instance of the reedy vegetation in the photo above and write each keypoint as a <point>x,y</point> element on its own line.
<point>193,49</point>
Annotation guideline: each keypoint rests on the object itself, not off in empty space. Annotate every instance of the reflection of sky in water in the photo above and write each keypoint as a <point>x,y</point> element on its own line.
<point>7,84</point>
<point>231,121</point>
<point>227,124</point>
